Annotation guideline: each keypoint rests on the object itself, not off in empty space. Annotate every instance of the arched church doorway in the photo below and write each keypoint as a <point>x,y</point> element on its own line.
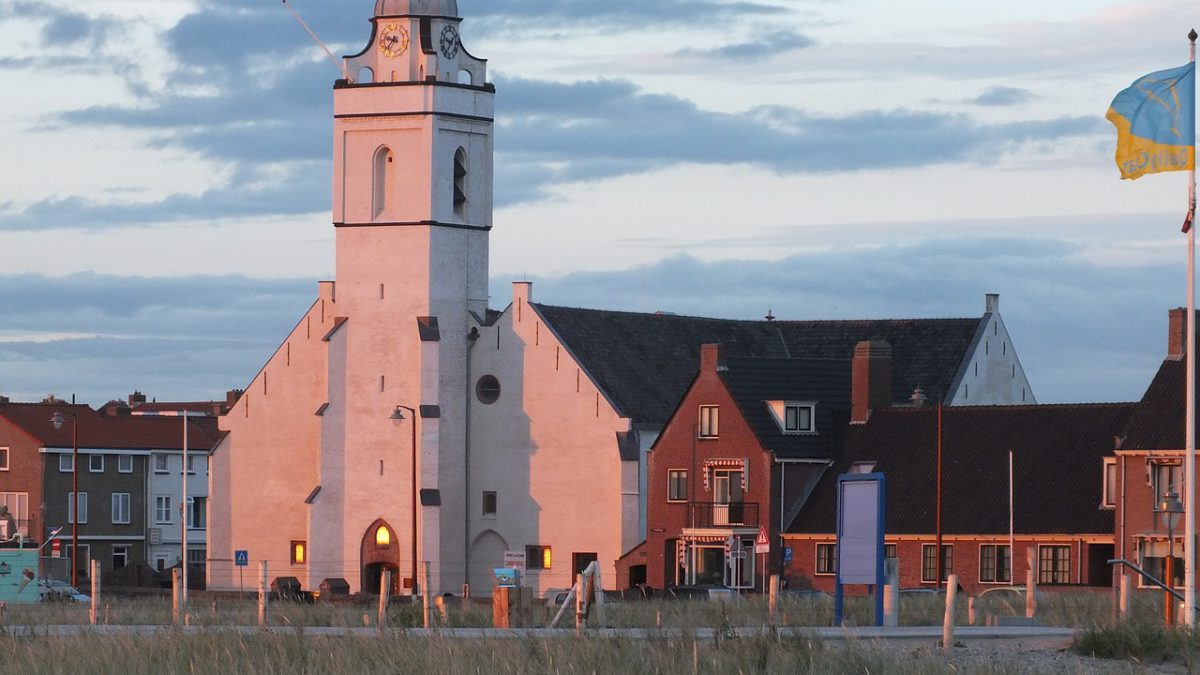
<point>380,552</point>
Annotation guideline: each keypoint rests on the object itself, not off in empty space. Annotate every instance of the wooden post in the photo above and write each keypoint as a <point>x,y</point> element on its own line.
<point>500,614</point>
<point>385,592</point>
<point>948,621</point>
<point>891,592</point>
<point>425,599</point>
<point>176,599</point>
<point>580,592</point>
<point>1030,584</point>
<point>95,591</point>
<point>970,610</point>
<point>443,610</point>
<point>1123,597</point>
<point>1168,599</point>
<point>773,600</point>
<point>598,589</point>
<point>262,594</point>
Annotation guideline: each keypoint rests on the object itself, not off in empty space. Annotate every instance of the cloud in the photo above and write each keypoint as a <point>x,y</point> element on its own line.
<point>763,46</point>
<point>1002,96</point>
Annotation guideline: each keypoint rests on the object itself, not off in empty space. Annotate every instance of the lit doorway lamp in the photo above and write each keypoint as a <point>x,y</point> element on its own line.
<point>1169,509</point>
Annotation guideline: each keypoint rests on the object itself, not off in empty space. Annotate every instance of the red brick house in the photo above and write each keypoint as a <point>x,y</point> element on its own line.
<point>1149,462</point>
<point>1058,508</point>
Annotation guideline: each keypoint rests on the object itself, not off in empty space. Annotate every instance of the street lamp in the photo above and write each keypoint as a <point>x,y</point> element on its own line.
<point>398,416</point>
<point>57,420</point>
<point>1169,510</point>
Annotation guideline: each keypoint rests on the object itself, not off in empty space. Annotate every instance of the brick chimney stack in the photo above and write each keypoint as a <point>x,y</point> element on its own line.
<point>1176,333</point>
<point>871,379</point>
<point>712,358</point>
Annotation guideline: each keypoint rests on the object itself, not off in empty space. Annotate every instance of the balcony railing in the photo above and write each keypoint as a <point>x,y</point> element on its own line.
<point>722,514</point>
<point>10,528</point>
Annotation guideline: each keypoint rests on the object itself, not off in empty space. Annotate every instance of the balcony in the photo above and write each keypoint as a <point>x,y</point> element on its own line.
<point>722,514</point>
<point>10,528</point>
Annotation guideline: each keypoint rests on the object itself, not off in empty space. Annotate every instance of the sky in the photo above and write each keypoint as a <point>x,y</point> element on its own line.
<point>164,209</point>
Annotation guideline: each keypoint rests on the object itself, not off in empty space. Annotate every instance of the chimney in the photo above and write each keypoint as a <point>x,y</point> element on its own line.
<point>136,398</point>
<point>232,396</point>
<point>991,303</point>
<point>1176,333</point>
<point>871,379</point>
<point>712,358</point>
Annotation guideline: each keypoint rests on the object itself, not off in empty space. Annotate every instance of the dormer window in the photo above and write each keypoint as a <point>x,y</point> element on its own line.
<point>794,417</point>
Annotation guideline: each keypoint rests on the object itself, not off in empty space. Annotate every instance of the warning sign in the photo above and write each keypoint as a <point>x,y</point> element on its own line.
<point>761,543</point>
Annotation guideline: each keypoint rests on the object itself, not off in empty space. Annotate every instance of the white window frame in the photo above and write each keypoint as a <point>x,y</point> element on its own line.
<point>164,460</point>
<point>125,463</point>
<point>92,463</point>
<point>1108,498</point>
<point>120,550</point>
<point>190,462</point>
<point>798,406</point>
<point>162,504</point>
<point>671,475</point>
<point>709,418</point>
<point>4,458</point>
<point>120,507</point>
<point>1055,571</point>
<point>191,512</point>
<point>66,463</point>
<point>1008,553</point>
<point>818,570</point>
<point>83,508</point>
<point>947,570</point>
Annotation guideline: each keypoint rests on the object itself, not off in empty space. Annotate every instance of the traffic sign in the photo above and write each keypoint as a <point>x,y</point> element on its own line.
<point>56,549</point>
<point>762,544</point>
<point>241,558</point>
<point>787,554</point>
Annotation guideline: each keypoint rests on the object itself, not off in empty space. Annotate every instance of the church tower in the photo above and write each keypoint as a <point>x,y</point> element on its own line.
<point>412,207</point>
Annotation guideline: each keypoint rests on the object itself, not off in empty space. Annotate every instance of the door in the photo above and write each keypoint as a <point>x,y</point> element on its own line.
<point>727,497</point>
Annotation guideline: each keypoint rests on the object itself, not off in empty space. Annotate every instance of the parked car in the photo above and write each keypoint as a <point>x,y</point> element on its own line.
<point>1008,593</point>
<point>52,590</point>
<point>808,594</point>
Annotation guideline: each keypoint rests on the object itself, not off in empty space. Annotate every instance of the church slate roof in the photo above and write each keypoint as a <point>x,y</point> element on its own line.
<point>645,362</point>
<point>1158,423</point>
<point>1058,453</point>
<point>753,381</point>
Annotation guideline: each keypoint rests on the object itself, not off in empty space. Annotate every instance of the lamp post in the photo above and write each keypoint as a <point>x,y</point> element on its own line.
<point>398,416</point>
<point>58,420</point>
<point>1169,510</point>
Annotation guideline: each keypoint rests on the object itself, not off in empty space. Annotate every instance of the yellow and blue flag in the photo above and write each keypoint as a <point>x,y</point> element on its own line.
<point>1156,123</point>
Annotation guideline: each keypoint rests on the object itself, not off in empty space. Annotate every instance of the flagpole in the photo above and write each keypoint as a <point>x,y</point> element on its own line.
<point>1189,470</point>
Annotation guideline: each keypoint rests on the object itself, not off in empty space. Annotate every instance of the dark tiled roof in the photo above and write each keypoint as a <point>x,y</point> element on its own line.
<point>645,362</point>
<point>753,381</point>
<point>1158,422</point>
<point>1058,453</point>
<point>147,432</point>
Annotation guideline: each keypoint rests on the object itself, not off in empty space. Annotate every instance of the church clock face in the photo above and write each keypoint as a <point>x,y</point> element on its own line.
<point>449,42</point>
<point>393,40</point>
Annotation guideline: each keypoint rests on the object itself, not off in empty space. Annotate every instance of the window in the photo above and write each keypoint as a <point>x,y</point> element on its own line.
<point>160,561</point>
<point>826,558</point>
<point>3,459</point>
<point>66,463</point>
<point>191,464</point>
<point>1054,564</point>
<point>677,485</point>
<point>708,421</point>
<point>487,389</point>
<point>460,181</point>
<point>162,510</point>
<point>120,556</point>
<point>96,463</point>
<point>383,536</point>
<point>889,550</point>
<point>489,503</point>
<point>120,508</point>
<point>299,552</point>
<point>995,564</point>
<point>1164,478</point>
<point>196,556</point>
<point>580,561</point>
<point>929,562</point>
<point>383,158</point>
<point>537,557</point>
<point>196,512</point>
<point>1109,499</point>
<point>17,504</point>
<point>160,464</point>
<point>797,419</point>
<point>82,507</point>
<point>125,463</point>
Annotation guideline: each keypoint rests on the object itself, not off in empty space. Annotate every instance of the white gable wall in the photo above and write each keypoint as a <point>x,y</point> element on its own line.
<point>991,373</point>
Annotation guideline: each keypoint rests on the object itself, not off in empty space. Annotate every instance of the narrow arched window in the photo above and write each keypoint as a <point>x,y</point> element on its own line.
<point>460,182</point>
<point>366,75</point>
<point>381,174</point>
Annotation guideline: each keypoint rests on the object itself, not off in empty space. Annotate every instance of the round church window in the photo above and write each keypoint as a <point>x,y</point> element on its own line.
<point>487,389</point>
